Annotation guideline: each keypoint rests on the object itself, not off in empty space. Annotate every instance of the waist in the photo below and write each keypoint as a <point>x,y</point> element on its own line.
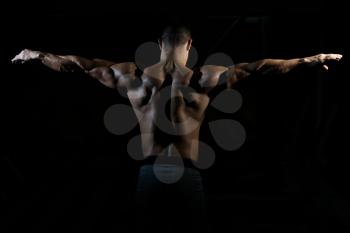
<point>169,160</point>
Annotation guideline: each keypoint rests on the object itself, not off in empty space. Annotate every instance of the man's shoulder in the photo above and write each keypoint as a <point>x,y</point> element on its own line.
<point>124,67</point>
<point>213,69</point>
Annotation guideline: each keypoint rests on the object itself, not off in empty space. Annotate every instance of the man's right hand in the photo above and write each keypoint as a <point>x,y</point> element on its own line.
<point>26,55</point>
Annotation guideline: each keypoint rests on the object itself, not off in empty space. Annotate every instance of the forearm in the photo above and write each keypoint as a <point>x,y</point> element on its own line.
<point>277,66</point>
<point>71,63</point>
<point>55,62</point>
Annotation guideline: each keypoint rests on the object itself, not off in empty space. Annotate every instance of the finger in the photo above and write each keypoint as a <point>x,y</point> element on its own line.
<point>16,61</point>
<point>16,57</point>
<point>338,57</point>
<point>335,57</point>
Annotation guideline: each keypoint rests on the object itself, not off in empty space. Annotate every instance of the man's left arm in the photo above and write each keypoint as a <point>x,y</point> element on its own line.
<point>279,66</point>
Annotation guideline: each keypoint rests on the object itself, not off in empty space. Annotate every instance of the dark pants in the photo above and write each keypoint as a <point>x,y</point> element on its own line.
<point>167,206</point>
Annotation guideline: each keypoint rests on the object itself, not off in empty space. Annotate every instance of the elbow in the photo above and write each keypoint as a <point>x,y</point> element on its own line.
<point>99,72</point>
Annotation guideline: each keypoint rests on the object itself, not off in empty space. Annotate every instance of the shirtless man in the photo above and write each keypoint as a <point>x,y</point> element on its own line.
<point>176,135</point>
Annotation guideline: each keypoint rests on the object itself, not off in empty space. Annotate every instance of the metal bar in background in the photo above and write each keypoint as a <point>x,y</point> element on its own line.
<point>221,38</point>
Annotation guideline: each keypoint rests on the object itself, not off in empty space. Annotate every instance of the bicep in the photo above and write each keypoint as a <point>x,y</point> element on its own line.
<point>104,75</point>
<point>225,78</point>
<point>115,75</point>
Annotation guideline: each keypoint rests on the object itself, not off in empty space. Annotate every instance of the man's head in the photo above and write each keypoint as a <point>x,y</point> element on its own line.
<point>175,44</point>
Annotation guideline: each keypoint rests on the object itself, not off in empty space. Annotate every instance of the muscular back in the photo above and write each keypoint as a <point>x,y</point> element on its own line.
<point>169,111</point>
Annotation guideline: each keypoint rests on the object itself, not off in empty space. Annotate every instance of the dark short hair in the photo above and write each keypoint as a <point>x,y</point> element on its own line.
<point>175,34</point>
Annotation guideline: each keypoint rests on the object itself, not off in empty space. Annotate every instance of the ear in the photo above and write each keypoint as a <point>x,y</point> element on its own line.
<point>160,44</point>
<point>189,44</point>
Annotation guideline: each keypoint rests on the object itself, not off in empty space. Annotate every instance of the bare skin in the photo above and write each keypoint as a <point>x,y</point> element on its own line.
<point>146,98</point>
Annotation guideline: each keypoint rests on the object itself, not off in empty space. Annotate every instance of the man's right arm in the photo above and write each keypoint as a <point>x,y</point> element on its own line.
<point>108,73</point>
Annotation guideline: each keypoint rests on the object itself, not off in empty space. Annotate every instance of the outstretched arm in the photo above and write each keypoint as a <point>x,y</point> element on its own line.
<point>279,66</point>
<point>219,75</point>
<point>109,73</point>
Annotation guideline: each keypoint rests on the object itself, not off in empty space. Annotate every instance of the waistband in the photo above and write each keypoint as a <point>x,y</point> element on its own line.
<point>169,160</point>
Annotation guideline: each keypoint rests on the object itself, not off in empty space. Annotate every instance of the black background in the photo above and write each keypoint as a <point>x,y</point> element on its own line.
<point>63,171</point>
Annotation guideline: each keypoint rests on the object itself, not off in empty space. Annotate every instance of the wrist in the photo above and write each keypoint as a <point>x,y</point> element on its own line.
<point>304,60</point>
<point>37,55</point>
<point>308,61</point>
